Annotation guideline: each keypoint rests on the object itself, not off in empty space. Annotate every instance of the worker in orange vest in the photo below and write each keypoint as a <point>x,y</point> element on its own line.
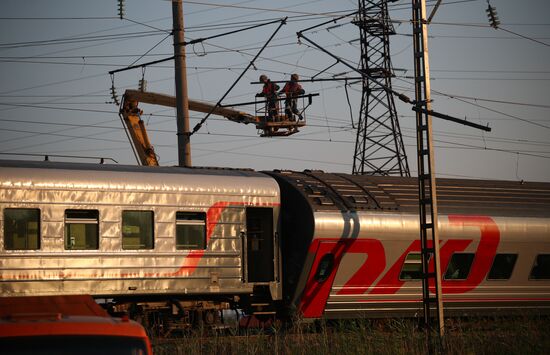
<point>269,91</point>
<point>292,89</point>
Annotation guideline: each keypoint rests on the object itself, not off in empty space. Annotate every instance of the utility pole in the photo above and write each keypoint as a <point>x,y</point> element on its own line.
<point>427,197</point>
<point>182,100</point>
<point>379,148</point>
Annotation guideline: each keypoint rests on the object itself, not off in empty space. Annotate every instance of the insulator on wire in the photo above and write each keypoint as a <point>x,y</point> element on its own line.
<point>143,85</point>
<point>114,96</point>
<point>142,82</point>
<point>492,16</point>
<point>121,9</point>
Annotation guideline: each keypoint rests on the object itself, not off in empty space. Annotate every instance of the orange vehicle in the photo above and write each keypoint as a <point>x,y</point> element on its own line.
<point>66,325</point>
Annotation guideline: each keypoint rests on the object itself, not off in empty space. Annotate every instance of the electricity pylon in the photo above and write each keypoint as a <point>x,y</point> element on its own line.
<point>379,148</point>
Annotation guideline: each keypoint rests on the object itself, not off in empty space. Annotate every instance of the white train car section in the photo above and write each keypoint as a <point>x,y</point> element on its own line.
<point>109,230</point>
<point>351,245</point>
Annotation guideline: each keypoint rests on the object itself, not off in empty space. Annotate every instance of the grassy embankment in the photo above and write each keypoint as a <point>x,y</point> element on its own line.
<point>487,336</point>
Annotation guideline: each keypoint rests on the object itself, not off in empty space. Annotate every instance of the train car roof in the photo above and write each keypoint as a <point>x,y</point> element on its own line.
<point>328,191</point>
<point>129,168</point>
<point>98,177</point>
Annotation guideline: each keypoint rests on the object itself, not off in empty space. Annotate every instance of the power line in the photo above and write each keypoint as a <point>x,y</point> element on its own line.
<point>525,37</point>
<point>155,46</point>
<point>56,96</point>
<point>84,56</point>
<point>56,103</point>
<point>455,144</point>
<point>497,101</point>
<point>57,108</point>
<point>488,139</point>
<point>62,135</point>
<point>486,108</point>
<point>284,10</point>
<point>79,39</point>
<point>468,36</point>
<point>226,68</point>
<point>53,83</point>
<point>440,133</point>
<point>148,26</point>
<point>495,79</point>
<point>452,96</point>
<point>506,114</point>
<point>49,155</point>
<point>326,14</point>
<point>58,18</point>
<point>489,71</point>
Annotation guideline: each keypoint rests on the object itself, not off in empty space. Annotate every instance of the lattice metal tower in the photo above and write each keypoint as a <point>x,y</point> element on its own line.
<point>379,148</point>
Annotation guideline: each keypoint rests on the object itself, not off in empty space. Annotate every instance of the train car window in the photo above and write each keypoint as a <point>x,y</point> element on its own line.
<point>21,229</point>
<point>137,229</point>
<point>81,229</point>
<point>541,269</point>
<point>190,230</point>
<point>325,267</point>
<point>502,268</point>
<point>412,267</point>
<point>459,266</point>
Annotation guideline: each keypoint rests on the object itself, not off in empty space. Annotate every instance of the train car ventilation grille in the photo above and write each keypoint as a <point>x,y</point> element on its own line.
<point>324,201</point>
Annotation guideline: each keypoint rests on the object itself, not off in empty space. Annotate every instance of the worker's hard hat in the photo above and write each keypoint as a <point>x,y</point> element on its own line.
<point>263,78</point>
<point>294,77</point>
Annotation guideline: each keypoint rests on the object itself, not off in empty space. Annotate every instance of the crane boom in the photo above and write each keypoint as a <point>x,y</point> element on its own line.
<point>194,105</point>
<point>131,116</point>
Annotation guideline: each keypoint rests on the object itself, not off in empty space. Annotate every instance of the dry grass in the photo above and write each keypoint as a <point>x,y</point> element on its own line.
<point>486,336</point>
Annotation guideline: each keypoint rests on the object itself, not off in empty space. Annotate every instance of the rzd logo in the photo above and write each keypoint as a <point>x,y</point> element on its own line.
<point>369,279</point>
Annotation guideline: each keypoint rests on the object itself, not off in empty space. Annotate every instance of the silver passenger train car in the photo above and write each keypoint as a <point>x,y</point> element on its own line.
<point>130,232</point>
<point>313,243</point>
<point>350,245</point>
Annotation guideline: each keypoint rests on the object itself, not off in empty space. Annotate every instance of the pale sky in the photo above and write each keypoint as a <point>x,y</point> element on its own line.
<point>55,90</point>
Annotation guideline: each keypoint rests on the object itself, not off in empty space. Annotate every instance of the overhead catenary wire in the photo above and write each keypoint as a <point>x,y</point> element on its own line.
<point>399,95</point>
<point>58,18</point>
<point>186,43</point>
<point>155,46</point>
<point>78,39</point>
<point>48,155</point>
<point>488,108</point>
<point>199,125</point>
<point>524,37</point>
<point>284,11</point>
<point>460,145</point>
<point>35,105</point>
<point>320,117</point>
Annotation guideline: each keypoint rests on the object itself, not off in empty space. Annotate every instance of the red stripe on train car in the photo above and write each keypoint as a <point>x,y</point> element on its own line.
<point>457,300</point>
<point>316,293</point>
<point>213,216</point>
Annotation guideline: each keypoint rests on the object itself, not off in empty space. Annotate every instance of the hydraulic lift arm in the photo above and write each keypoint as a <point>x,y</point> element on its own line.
<point>131,116</point>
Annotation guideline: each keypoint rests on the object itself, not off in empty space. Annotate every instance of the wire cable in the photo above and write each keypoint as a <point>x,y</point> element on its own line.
<point>525,37</point>
<point>77,40</point>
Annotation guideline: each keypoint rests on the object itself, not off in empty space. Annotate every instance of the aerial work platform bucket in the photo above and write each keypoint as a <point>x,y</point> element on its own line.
<point>281,121</point>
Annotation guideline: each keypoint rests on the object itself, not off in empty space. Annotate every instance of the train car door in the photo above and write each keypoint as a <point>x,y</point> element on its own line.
<point>259,244</point>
